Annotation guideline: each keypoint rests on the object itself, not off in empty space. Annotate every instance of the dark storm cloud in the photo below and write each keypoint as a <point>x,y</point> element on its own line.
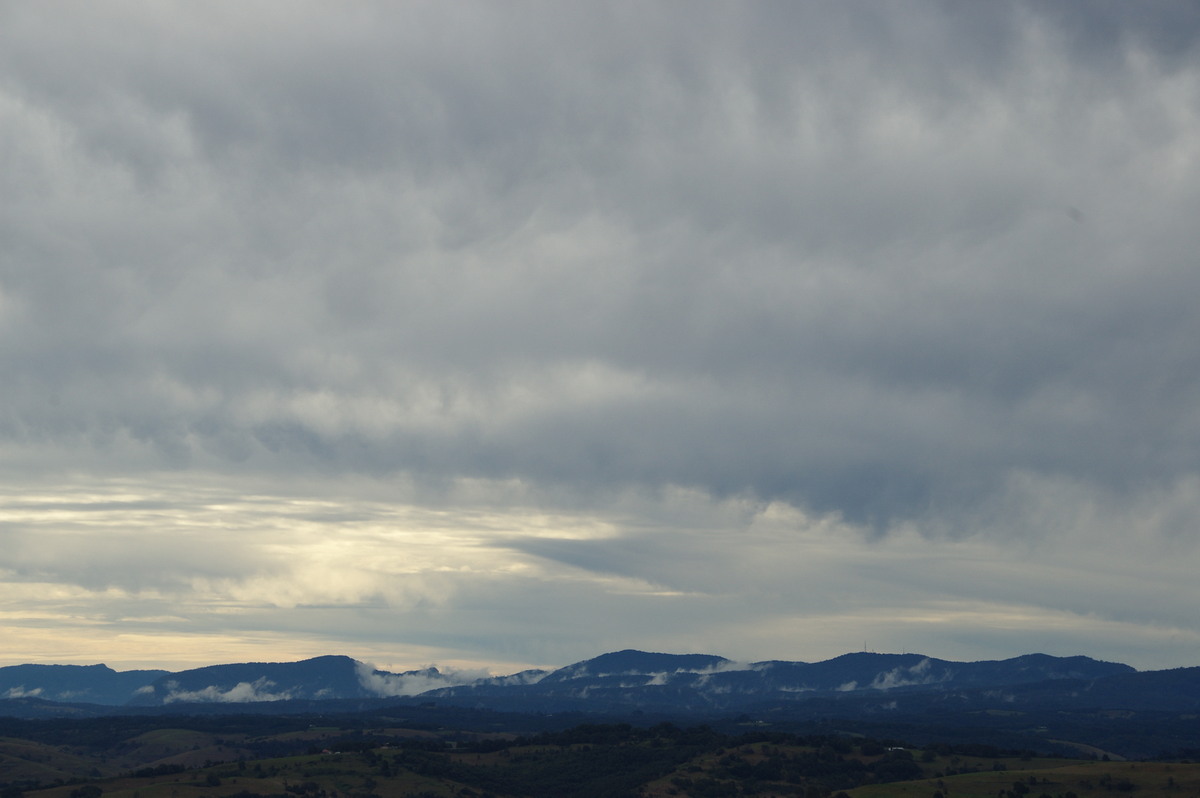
<point>869,259</point>
<point>1105,30</point>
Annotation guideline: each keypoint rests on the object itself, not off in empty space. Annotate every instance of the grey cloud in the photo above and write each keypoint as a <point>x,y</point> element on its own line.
<point>138,562</point>
<point>853,294</point>
<point>878,262</point>
<point>1104,30</point>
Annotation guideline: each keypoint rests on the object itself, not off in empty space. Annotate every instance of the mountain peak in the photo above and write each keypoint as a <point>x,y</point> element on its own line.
<point>631,662</point>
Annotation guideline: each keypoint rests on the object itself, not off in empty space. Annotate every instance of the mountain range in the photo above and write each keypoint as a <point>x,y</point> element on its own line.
<point>618,681</point>
<point>1035,702</point>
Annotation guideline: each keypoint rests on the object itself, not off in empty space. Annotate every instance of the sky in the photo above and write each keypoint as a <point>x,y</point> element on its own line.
<point>501,335</point>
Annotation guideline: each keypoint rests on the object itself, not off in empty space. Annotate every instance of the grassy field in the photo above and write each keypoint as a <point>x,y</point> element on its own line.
<point>616,761</point>
<point>1054,778</point>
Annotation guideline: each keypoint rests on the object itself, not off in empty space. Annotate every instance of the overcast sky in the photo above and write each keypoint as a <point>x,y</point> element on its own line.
<point>507,334</point>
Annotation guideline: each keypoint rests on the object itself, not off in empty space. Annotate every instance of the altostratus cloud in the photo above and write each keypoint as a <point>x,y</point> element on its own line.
<point>900,269</point>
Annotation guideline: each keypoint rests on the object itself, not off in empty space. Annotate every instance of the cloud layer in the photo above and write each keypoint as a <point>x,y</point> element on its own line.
<point>475,334</point>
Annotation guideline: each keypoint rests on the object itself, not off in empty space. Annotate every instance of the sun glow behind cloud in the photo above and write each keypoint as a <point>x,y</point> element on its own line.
<point>183,573</point>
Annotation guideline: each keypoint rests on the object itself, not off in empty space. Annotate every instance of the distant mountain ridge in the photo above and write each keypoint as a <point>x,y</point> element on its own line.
<point>634,679</point>
<point>96,684</point>
<point>1031,702</point>
<point>617,680</point>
